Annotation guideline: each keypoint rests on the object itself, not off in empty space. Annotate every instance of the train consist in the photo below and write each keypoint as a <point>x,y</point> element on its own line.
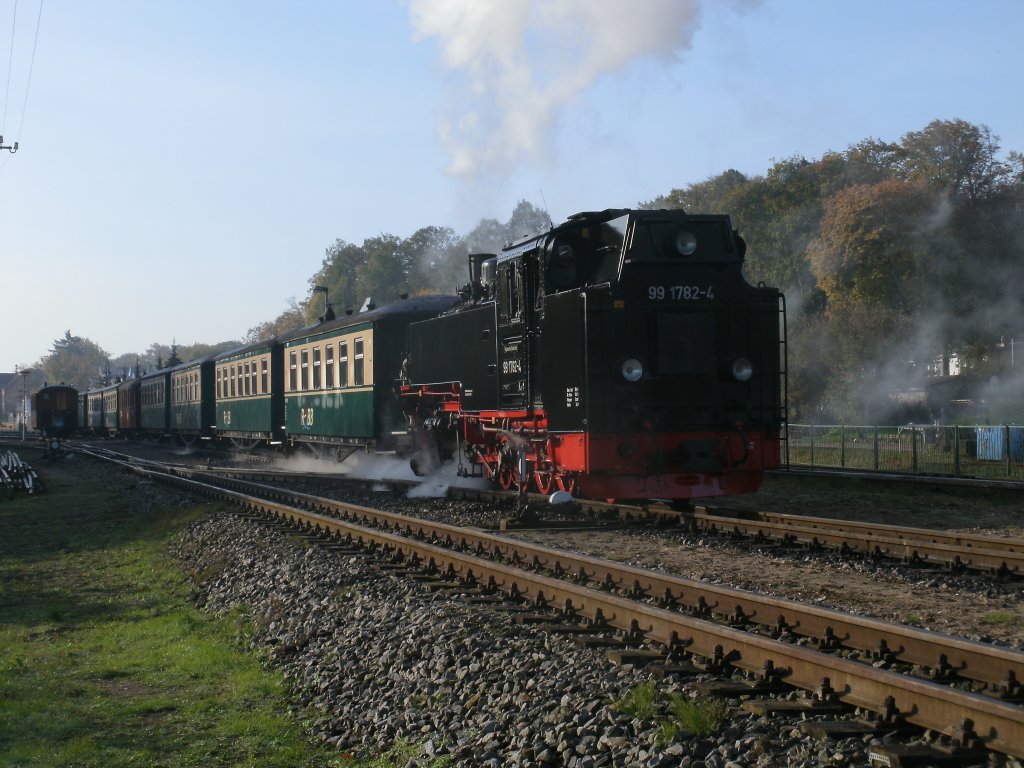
<point>621,355</point>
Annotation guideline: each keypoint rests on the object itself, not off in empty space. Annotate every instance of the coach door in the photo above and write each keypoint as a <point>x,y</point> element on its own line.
<point>515,311</point>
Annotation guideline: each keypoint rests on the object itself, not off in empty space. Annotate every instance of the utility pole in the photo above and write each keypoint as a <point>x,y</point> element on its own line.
<point>24,372</point>
<point>10,148</point>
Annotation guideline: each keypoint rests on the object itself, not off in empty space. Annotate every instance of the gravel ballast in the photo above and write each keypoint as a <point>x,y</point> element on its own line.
<point>376,660</point>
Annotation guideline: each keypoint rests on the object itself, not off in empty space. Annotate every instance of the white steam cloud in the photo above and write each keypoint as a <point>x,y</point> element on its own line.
<point>519,62</point>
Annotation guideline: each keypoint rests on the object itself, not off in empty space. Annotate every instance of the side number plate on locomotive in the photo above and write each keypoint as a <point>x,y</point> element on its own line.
<point>680,292</point>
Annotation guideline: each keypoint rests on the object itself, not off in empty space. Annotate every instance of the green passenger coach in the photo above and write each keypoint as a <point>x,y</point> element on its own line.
<point>339,377</point>
<point>248,389</point>
<point>191,411</point>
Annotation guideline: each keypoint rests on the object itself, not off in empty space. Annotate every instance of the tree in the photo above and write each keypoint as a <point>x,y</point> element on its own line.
<point>338,273</point>
<point>870,245</point>
<point>955,157</point>
<point>713,195</point>
<point>293,318</point>
<point>526,220</point>
<point>441,256</point>
<point>173,359</point>
<point>75,361</point>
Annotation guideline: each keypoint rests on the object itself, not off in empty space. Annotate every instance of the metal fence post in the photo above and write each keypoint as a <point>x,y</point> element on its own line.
<point>956,449</point>
<point>913,448</point>
<point>842,446</point>
<point>812,446</point>
<point>1009,454</point>
<point>876,447</point>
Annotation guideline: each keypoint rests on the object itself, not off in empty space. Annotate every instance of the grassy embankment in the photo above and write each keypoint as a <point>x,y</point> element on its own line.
<point>103,660</point>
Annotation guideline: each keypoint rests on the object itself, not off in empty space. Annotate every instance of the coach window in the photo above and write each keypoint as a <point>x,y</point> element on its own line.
<point>343,364</point>
<point>241,382</point>
<point>304,377</point>
<point>329,366</point>
<point>293,373</point>
<point>264,388</point>
<point>245,379</point>
<point>357,363</point>
<point>316,368</point>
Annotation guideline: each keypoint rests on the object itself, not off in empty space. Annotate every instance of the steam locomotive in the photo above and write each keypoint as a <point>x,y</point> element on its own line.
<point>621,354</point>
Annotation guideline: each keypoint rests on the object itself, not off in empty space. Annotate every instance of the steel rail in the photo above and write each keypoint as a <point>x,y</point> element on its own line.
<point>943,655</point>
<point>969,540</point>
<point>983,553</point>
<point>961,715</point>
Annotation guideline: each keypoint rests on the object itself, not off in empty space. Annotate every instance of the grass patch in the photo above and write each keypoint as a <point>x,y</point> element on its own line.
<point>640,702</point>
<point>1001,617</point>
<point>700,717</point>
<point>103,660</point>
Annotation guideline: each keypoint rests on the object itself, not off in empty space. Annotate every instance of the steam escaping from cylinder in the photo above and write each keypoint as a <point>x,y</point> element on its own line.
<point>518,63</point>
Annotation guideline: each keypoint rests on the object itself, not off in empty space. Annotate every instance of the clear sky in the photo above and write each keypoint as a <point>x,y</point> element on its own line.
<point>184,164</point>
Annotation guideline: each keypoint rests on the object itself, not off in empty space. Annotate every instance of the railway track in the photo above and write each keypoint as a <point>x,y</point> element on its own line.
<point>1003,557</point>
<point>970,692</point>
<point>958,551</point>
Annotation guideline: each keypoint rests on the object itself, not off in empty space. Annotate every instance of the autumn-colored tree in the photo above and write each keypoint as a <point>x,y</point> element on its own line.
<point>872,246</point>
<point>955,157</point>
<point>293,318</point>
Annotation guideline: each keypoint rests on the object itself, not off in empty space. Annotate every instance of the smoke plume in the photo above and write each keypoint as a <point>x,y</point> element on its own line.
<point>517,63</point>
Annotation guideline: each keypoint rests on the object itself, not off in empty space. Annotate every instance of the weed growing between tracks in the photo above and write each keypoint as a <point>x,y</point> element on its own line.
<point>701,717</point>
<point>103,661</point>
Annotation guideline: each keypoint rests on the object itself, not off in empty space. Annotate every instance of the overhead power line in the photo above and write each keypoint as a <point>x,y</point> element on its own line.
<point>10,62</point>
<point>28,83</point>
<point>31,66</point>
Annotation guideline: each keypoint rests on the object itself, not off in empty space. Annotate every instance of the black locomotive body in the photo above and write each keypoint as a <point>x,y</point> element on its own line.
<point>622,354</point>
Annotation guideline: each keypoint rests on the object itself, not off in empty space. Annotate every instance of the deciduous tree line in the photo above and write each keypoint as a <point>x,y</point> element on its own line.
<point>896,259</point>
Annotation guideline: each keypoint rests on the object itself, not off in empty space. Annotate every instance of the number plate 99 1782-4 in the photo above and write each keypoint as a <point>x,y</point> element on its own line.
<point>680,292</point>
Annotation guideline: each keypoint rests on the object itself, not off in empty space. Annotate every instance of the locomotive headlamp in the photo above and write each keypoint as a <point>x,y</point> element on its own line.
<point>632,370</point>
<point>742,369</point>
<point>686,243</point>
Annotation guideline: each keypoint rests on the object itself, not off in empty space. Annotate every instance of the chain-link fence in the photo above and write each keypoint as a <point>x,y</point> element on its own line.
<point>972,451</point>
